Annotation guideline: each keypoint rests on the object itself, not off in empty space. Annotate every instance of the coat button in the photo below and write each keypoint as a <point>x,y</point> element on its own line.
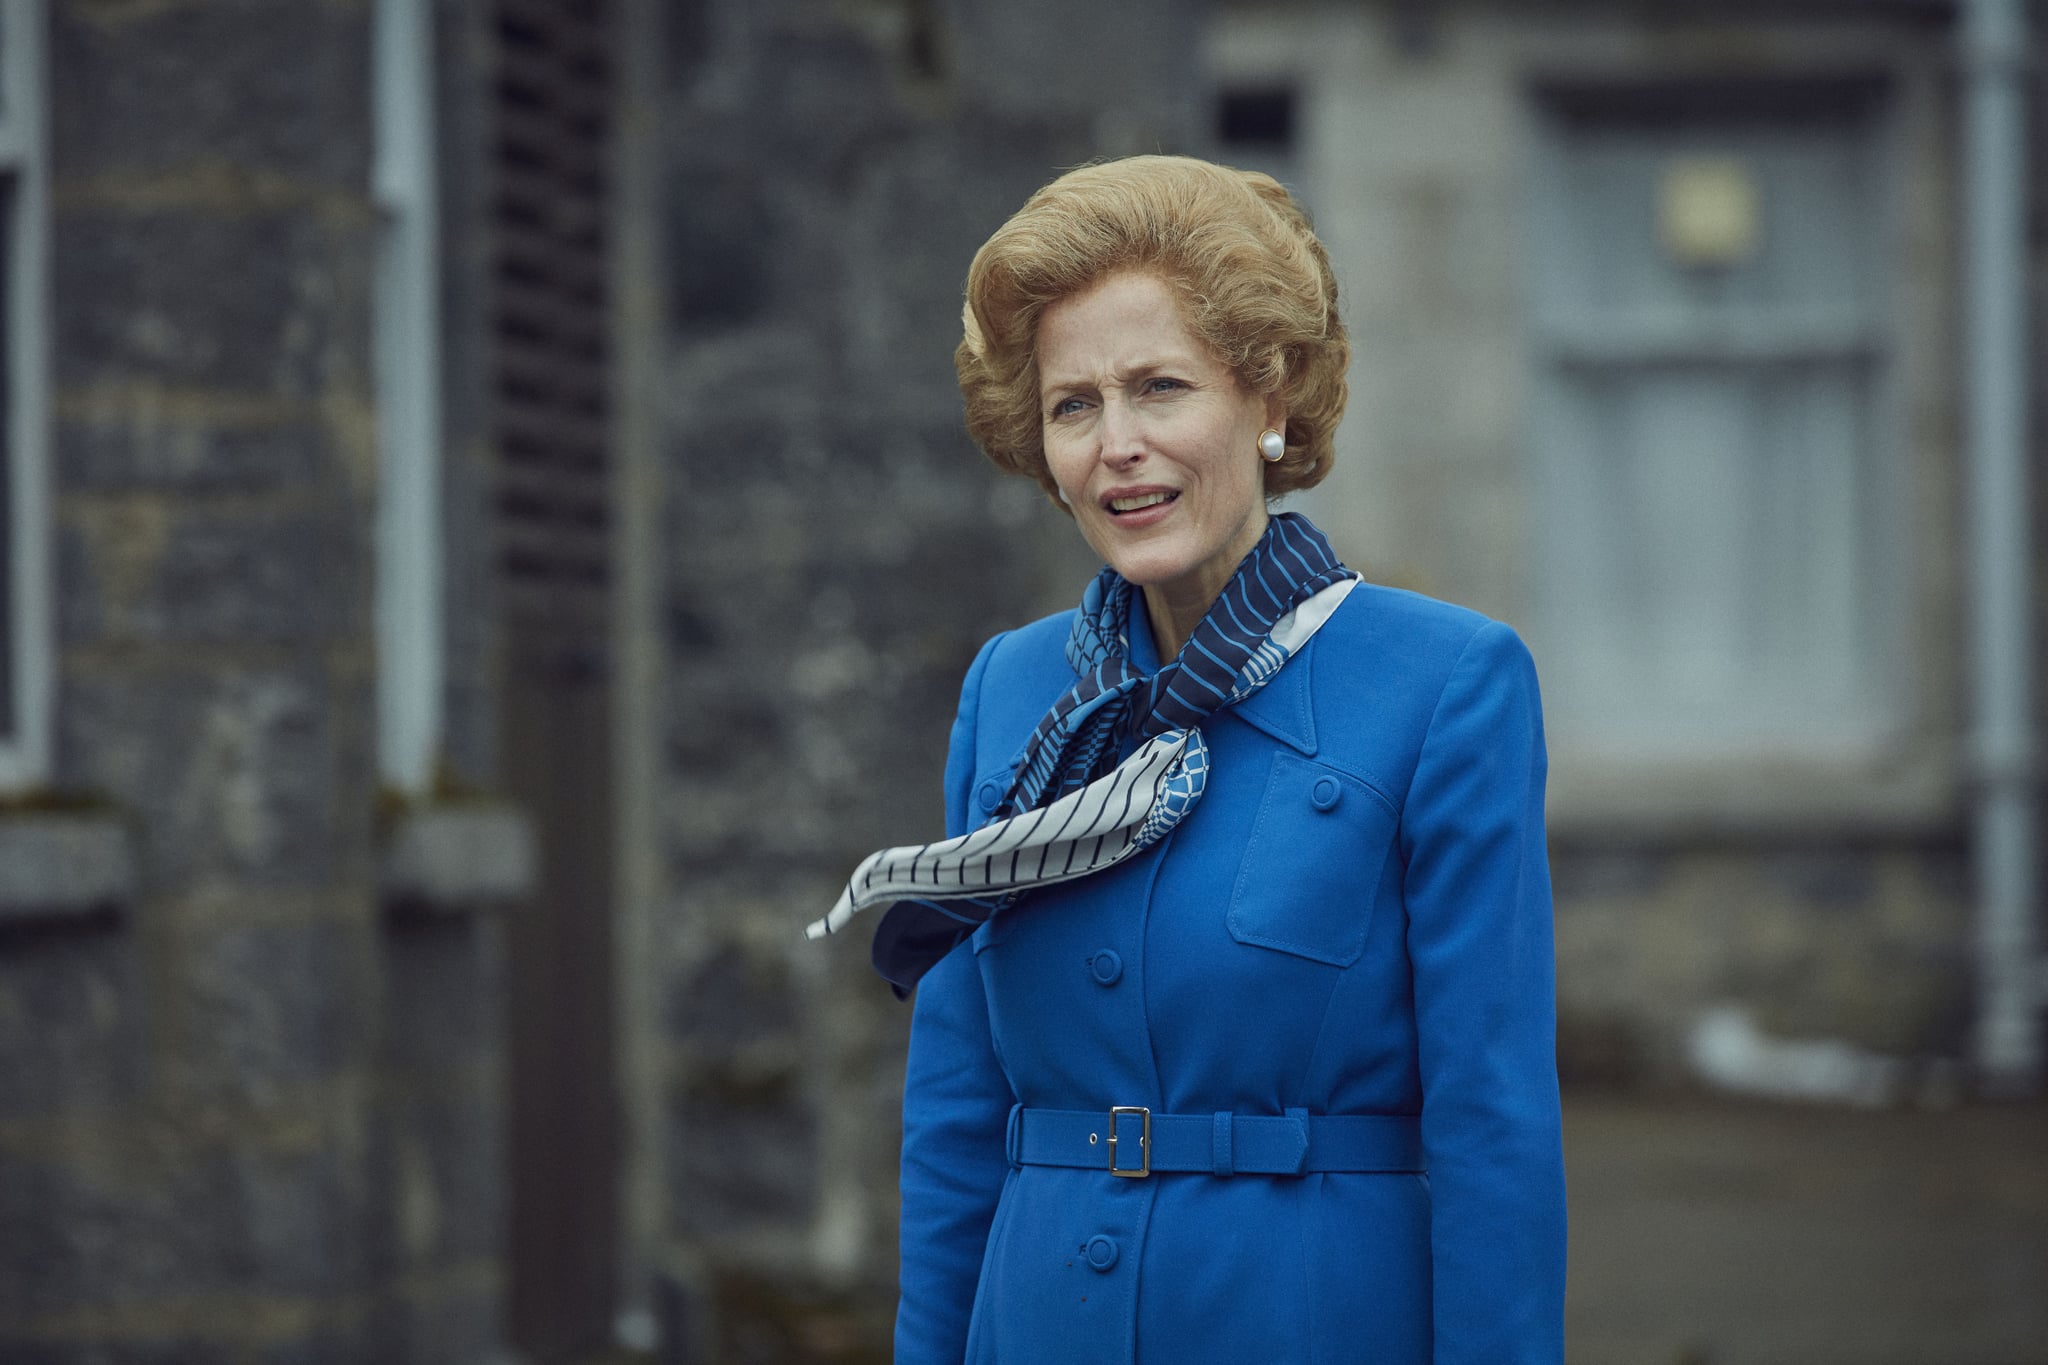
<point>1326,793</point>
<point>1106,967</point>
<point>991,794</point>
<point>1101,1251</point>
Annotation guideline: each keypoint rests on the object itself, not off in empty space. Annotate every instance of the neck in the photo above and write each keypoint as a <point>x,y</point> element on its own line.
<point>1175,609</point>
<point>1174,619</point>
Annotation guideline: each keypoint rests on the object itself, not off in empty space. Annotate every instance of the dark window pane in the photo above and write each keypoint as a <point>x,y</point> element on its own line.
<point>1262,118</point>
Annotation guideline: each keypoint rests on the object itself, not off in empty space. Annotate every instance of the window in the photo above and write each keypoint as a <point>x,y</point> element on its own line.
<point>410,659</point>
<point>1722,550</point>
<point>1256,127</point>
<point>26,663</point>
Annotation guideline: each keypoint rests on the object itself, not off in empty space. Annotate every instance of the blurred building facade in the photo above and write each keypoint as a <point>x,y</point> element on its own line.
<point>491,543</point>
<point>1659,322</point>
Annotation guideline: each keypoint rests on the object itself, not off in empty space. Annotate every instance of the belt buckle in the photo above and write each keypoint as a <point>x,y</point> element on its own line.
<point>1144,1166</point>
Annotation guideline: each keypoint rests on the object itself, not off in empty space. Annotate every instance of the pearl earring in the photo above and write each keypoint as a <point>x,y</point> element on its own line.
<point>1272,445</point>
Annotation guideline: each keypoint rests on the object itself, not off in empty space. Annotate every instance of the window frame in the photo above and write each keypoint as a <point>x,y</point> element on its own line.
<point>1902,772</point>
<point>25,737</point>
<point>406,346</point>
<point>1576,347</point>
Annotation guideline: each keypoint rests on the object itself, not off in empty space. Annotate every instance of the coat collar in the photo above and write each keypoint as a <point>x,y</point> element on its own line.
<point>1282,707</point>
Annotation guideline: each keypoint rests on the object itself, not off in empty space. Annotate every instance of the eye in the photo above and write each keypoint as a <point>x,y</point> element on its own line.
<point>1160,383</point>
<point>1066,407</point>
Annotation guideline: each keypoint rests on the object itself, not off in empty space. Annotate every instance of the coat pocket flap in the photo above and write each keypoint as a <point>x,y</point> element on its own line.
<point>1312,863</point>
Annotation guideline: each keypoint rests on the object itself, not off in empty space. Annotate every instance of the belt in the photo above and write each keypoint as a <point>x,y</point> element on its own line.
<point>1130,1140</point>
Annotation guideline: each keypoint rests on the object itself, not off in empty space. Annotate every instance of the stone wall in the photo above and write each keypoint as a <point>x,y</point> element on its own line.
<point>1865,941</point>
<point>245,1113</point>
<point>838,549</point>
<point>252,1105</point>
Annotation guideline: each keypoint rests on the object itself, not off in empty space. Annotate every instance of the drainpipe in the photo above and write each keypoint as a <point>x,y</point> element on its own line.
<point>2010,973</point>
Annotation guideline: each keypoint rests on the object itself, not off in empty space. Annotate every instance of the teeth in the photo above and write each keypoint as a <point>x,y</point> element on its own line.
<point>1142,500</point>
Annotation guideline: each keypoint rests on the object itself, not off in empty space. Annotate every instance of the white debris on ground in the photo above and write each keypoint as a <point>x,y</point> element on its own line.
<point>1731,1053</point>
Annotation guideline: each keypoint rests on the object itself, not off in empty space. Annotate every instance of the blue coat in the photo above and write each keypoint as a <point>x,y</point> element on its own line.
<point>1355,919</point>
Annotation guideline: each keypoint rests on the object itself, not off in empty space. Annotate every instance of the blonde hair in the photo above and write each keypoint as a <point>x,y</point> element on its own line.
<point>1237,251</point>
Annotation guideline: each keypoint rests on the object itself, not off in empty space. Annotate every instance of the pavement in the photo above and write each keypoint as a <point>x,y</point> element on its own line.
<point>1750,1234</point>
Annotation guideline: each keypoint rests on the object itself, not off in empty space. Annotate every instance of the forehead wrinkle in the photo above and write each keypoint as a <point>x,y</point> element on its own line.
<point>1119,376</point>
<point>1120,311</point>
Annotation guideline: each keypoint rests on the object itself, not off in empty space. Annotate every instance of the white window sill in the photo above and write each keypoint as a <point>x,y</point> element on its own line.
<point>459,858</point>
<point>63,865</point>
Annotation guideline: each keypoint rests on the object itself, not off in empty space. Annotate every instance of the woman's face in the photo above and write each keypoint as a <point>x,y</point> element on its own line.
<point>1152,439</point>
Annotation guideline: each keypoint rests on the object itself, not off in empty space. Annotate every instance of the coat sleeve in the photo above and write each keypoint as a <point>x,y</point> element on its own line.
<point>956,1109</point>
<point>1480,941</point>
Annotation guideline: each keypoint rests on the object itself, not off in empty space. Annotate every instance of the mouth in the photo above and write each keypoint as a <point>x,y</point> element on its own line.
<point>1124,504</point>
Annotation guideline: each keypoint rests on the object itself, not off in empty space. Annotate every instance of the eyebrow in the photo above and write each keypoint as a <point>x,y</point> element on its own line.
<point>1124,374</point>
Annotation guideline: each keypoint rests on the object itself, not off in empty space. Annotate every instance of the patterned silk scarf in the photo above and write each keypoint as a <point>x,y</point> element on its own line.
<point>1074,808</point>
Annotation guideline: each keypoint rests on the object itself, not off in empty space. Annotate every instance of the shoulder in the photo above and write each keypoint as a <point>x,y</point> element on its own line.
<point>1393,630</point>
<point>1389,662</point>
<point>1015,677</point>
<point>1029,660</point>
<point>1042,640</point>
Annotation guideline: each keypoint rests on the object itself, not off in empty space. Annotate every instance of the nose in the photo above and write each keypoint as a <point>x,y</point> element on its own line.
<point>1122,437</point>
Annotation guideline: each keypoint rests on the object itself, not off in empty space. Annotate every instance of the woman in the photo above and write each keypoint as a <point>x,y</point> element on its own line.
<point>1246,1049</point>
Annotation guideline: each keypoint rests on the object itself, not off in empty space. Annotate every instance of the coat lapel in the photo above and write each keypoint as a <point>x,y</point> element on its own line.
<point>1281,708</point>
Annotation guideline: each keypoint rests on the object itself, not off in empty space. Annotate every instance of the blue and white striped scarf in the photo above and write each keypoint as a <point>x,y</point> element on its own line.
<point>1074,808</point>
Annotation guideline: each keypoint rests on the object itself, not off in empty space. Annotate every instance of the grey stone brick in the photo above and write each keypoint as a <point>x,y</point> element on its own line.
<point>172,1349</point>
<point>830,575</point>
<point>470,710</point>
<point>732,1001</point>
<point>834,94</point>
<point>271,302</point>
<point>228,772</point>
<point>301,1221</point>
<point>347,1343</point>
<point>742,1159</point>
<point>271,1005</point>
<point>1132,63</point>
<point>683,1317</point>
<point>443,1175</point>
<point>1828,878</point>
<point>721,245</point>
<point>162,1217</point>
<point>262,86</point>
<point>295,576</point>
<point>912,225</point>
<point>769,1319</point>
<point>1944,869</point>
<point>445,981</point>
<point>439,1154</point>
<point>469,410</point>
<point>155,445</point>
<point>455,1328</point>
<point>73,1021</point>
<point>440,1145</point>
